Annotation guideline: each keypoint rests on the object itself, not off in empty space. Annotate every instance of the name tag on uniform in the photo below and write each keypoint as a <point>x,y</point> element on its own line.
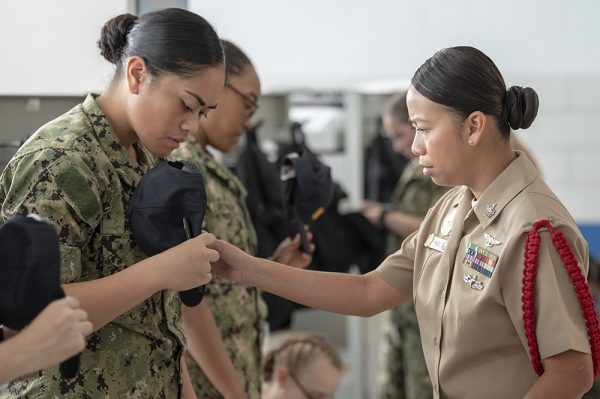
<point>436,243</point>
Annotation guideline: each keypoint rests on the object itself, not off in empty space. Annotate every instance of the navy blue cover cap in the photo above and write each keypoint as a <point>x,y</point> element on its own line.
<point>166,196</point>
<point>30,274</point>
<point>30,269</point>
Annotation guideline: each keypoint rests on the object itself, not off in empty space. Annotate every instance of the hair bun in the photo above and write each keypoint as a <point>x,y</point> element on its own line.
<point>113,37</point>
<point>521,107</point>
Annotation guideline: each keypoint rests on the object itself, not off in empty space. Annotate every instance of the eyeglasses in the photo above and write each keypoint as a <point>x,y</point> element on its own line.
<point>250,104</point>
<point>304,391</point>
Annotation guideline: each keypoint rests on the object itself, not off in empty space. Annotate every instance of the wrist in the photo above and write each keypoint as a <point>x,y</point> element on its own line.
<point>385,209</point>
<point>152,274</point>
<point>235,391</point>
<point>13,368</point>
<point>24,354</point>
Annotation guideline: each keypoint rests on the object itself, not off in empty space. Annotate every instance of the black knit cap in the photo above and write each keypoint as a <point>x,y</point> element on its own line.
<point>166,196</point>
<point>30,269</point>
<point>30,274</point>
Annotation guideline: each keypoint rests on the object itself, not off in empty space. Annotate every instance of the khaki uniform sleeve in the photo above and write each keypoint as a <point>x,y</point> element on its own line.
<point>560,325</point>
<point>61,187</point>
<point>398,268</point>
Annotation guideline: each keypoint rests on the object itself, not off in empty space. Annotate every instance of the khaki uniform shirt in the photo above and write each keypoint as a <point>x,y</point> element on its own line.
<point>414,194</point>
<point>468,294</point>
<point>239,311</point>
<point>403,372</point>
<point>74,172</point>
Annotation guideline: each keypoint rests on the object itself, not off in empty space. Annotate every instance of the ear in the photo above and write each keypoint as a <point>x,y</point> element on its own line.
<point>475,125</point>
<point>136,72</point>
<point>281,375</point>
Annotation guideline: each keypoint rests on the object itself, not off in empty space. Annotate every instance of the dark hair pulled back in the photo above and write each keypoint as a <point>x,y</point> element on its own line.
<point>170,40</point>
<point>235,59</point>
<point>466,80</point>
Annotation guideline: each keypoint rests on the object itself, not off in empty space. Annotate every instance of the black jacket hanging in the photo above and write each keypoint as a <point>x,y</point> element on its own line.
<point>265,195</point>
<point>383,167</point>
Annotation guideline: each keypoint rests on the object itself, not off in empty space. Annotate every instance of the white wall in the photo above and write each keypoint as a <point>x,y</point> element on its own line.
<point>565,138</point>
<point>340,42</point>
<point>49,47</point>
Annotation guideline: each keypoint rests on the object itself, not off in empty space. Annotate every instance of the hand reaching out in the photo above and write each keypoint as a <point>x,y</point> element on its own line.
<point>231,261</point>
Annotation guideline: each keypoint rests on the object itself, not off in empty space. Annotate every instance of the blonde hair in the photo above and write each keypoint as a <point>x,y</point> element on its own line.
<point>299,350</point>
<point>396,108</point>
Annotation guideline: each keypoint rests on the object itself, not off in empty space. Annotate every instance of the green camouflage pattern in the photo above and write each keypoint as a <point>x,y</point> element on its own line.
<point>403,374</point>
<point>239,311</point>
<point>414,194</point>
<point>74,172</point>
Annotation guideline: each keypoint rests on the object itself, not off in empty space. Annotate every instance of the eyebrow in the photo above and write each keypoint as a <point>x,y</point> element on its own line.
<point>417,120</point>
<point>200,100</point>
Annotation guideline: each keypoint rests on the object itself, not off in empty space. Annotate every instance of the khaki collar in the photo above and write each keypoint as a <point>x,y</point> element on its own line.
<point>518,175</point>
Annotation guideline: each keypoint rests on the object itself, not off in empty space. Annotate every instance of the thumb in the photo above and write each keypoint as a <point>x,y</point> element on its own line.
<point>217,245</point>
<point>213,255</point>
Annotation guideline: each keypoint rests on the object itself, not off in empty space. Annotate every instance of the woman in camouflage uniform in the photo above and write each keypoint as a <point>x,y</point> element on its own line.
<point>80,171</point>
<point>226,362</point>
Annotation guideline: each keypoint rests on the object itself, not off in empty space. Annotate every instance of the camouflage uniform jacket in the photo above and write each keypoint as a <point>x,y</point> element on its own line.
<point>75,172</point>
<point>414,194</point>
<point>239,311</point>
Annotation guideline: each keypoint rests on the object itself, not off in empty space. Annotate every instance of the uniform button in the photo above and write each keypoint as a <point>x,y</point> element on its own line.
<point>435,341</point>
<point>443,295</point>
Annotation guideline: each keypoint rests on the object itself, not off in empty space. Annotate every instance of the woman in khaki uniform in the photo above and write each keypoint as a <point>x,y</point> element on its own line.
<point>225,332</point>
<point>464,266</point>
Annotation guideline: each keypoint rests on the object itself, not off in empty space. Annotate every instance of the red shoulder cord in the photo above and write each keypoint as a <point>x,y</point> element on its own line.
<point>532,247</point>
